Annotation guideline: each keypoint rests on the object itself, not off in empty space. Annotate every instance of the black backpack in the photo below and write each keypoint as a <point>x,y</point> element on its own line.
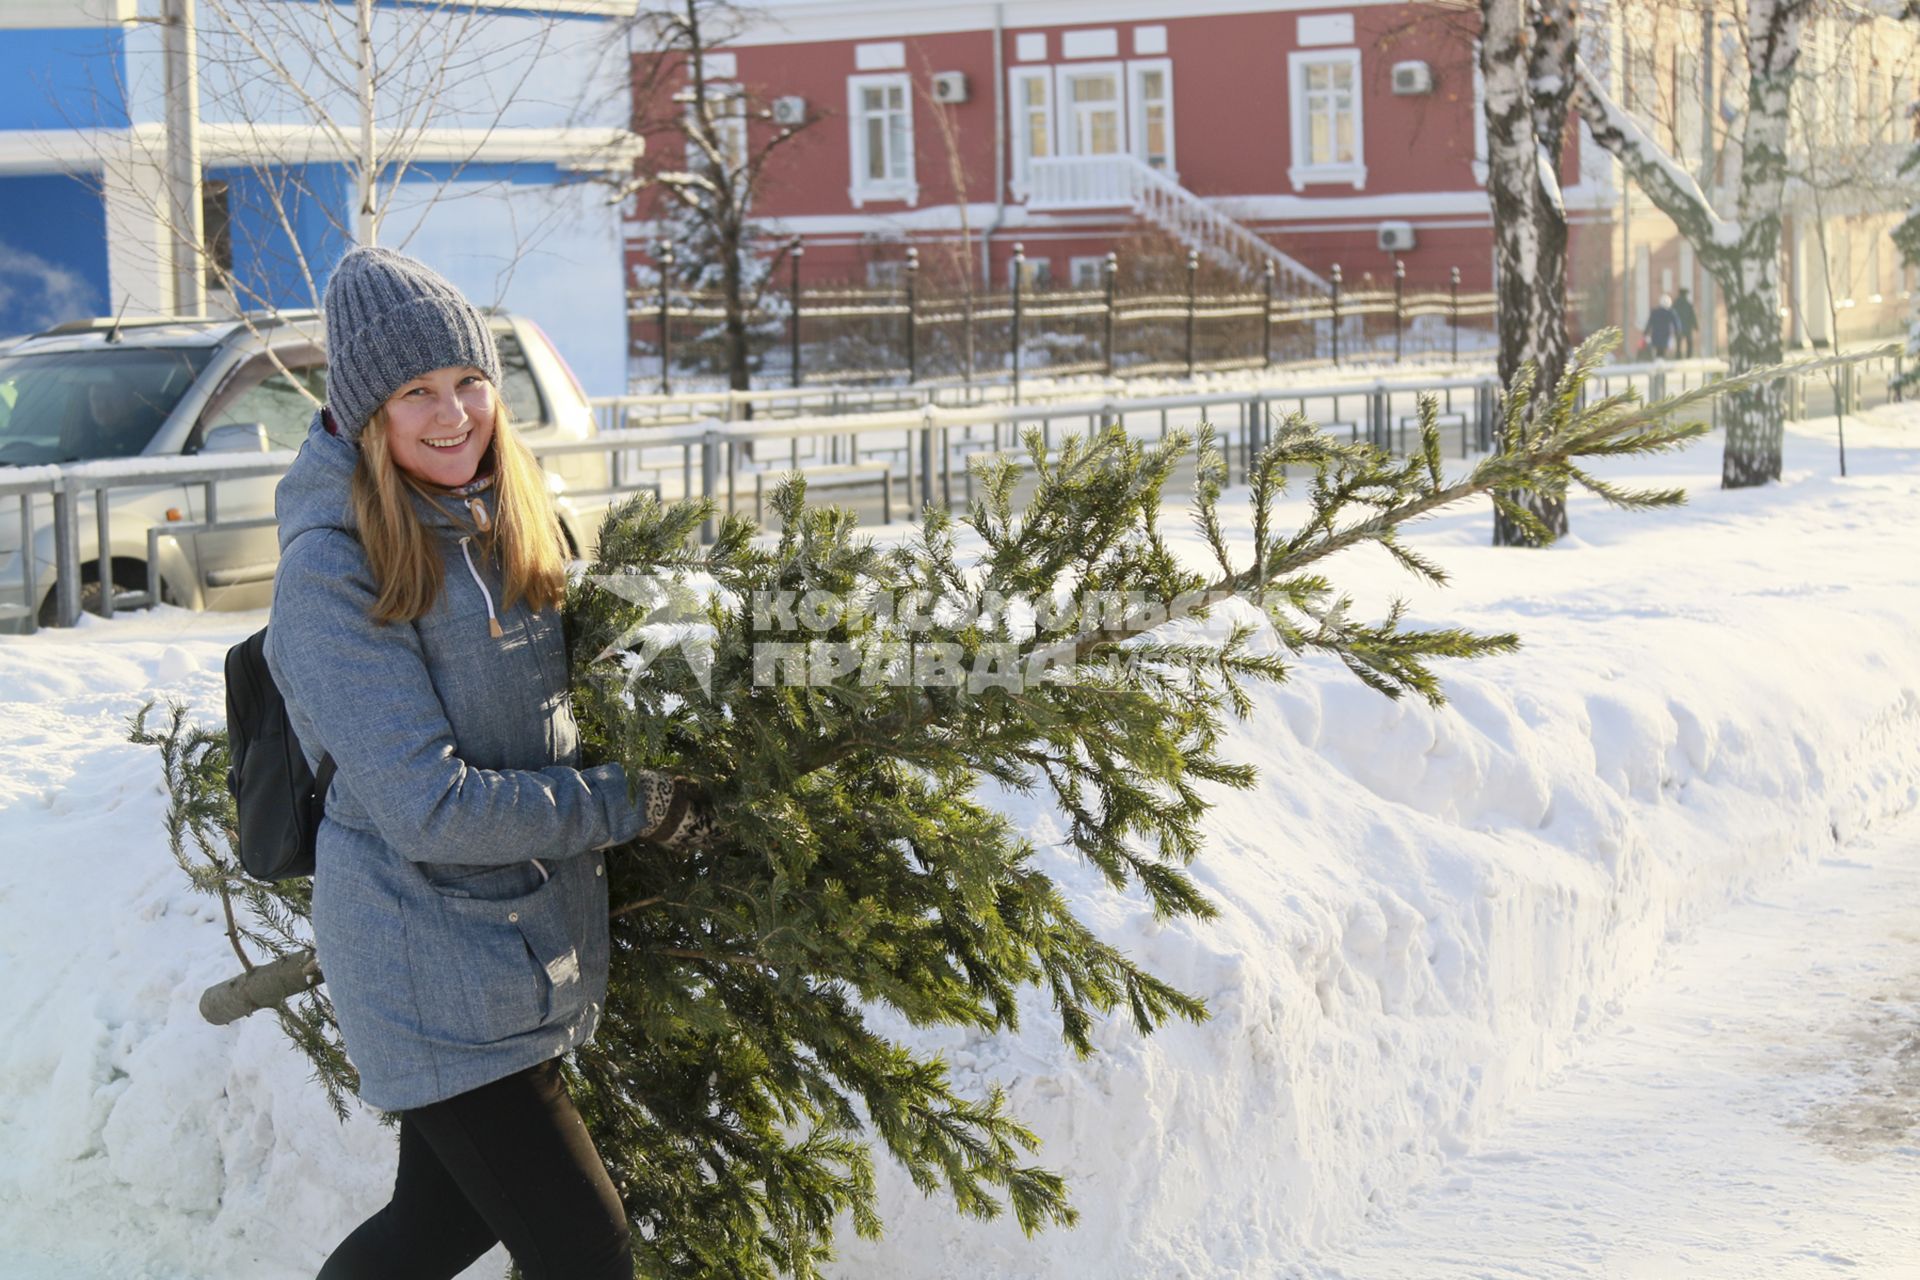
<point>277,799</point>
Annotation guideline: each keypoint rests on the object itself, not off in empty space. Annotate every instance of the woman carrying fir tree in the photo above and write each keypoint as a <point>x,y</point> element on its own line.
<point>460,893</point>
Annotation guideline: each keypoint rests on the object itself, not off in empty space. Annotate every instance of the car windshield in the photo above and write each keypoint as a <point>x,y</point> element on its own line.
<point>69,406</point>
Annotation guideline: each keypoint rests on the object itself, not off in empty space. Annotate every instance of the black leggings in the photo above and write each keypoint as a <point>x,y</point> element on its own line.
<point>509,1161</point>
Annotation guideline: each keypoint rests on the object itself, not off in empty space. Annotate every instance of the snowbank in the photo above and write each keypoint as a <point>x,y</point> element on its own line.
<point>1423,911</point>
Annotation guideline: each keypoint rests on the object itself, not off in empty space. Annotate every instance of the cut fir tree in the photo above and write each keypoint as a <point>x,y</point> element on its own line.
<point>741,1079</point>
<point>738,1085</point>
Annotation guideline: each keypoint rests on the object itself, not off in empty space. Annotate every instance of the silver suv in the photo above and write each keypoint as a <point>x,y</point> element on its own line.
<point>105,389</point>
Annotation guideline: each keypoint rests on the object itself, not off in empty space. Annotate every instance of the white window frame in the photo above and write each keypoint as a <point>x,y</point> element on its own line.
<point>1095,264</point>
<point>1137,111</point>
<point>1301,172</point>
<point>1066,122</point>
<point>862,188</point>
<point>1038,272</point>
<point>1022,157</point>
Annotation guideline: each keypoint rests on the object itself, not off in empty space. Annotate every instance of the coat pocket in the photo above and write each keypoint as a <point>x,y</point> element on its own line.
<point>511,963</point>
<point>475,880</point>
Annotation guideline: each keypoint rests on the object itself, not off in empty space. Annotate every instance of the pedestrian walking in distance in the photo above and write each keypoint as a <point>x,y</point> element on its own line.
<point>1685,322</point>
<point>1660,327</point>
<point>460,887</point>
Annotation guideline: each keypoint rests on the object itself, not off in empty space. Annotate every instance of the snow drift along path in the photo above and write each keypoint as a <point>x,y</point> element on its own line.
<point>1751,1114</point>
<point>1423,913</point>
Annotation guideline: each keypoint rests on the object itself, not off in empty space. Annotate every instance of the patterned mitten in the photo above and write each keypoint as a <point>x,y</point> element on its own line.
<point>683,818</point>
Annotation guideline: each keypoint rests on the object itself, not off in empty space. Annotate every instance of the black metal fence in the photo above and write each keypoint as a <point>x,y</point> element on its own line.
<point>842,334</point>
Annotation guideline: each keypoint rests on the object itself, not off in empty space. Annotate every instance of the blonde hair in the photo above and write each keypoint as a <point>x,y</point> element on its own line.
<point>525,536</point>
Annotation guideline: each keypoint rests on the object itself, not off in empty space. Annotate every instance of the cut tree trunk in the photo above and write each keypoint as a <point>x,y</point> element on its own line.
<point>265,986</point>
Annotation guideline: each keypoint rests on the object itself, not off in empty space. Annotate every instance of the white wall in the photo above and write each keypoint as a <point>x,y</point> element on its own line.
<point>552,253</point>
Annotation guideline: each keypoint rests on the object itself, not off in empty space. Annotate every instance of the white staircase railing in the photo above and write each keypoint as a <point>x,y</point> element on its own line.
<point>1062,183</point>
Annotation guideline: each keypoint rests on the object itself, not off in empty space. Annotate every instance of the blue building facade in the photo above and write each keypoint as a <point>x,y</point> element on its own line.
<point>497,185</point>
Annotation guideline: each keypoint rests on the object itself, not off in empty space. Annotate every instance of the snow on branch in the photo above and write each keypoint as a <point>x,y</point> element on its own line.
<point>1666,183</point>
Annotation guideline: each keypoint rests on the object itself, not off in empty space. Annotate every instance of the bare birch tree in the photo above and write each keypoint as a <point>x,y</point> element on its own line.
<point>1849,162</point>
<point>1906,236</point>
<point>727,135</point>
<point>292,93</point>
<point>1740,246</point>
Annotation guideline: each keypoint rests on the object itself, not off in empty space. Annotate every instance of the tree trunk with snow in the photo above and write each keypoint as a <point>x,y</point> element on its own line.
<point>739,341</point>
<point>1742,253</point>
<point>1526,59</point>
<point>1906,236</point>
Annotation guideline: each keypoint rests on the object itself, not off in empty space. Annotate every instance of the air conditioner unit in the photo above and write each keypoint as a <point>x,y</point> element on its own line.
<point>1412,77</point>
<point>1396,237</point>
<point>950,86</point>
<point>789,110</point>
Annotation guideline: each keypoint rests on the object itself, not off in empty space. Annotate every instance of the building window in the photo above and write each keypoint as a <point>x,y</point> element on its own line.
<point>1089,273</point>
<point>1688,108</point>
<point>1152,88</point>
<point>1091,124</point>
<point>1035,273</point>
<point>1032,119</point>
<point>1327,129</point>
<point>1104,109</point>
<point>216,221</point>
<point>1643,84</point>
<point>880,119</point>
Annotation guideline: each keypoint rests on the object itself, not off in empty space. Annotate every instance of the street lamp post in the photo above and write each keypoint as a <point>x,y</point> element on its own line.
<point>1266,321</point>
<point>913,280</point>
<point>1019,278</point>
<point>793,307</point>
<point>1193,302</point>
<point>1399,299</point>
<point>665,260</point>
<point>1334,301</point>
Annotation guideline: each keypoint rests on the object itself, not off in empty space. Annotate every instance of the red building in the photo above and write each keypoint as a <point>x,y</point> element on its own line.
<point>1296,133</point>
<point>1344,134</point>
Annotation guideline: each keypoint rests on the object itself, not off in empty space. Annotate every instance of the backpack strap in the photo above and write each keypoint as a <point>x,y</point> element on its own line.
<point>323,779</point>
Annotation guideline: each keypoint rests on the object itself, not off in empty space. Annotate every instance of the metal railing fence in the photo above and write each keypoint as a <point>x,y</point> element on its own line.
<point>852,336</point>
<point>920,442</point>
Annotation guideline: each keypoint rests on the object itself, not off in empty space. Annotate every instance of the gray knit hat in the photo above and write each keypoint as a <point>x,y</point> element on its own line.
<point>391,318</point>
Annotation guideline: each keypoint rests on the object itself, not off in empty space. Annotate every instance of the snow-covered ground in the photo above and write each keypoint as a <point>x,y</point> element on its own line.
<point>1750,1114</point>
<point>1426,917</point>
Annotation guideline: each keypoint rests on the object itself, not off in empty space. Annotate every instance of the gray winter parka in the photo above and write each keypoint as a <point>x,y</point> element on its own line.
<point>459,894</point>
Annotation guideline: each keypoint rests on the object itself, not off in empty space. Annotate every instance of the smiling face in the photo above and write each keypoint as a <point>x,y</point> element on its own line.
<point>440,424</point>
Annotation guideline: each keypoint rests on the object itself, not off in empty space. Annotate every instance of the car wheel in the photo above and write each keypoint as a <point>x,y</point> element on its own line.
<point>123,580</point>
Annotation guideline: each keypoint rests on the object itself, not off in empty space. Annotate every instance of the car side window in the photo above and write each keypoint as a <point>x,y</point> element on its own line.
<point>518,386</point>
<point>262,392</point>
